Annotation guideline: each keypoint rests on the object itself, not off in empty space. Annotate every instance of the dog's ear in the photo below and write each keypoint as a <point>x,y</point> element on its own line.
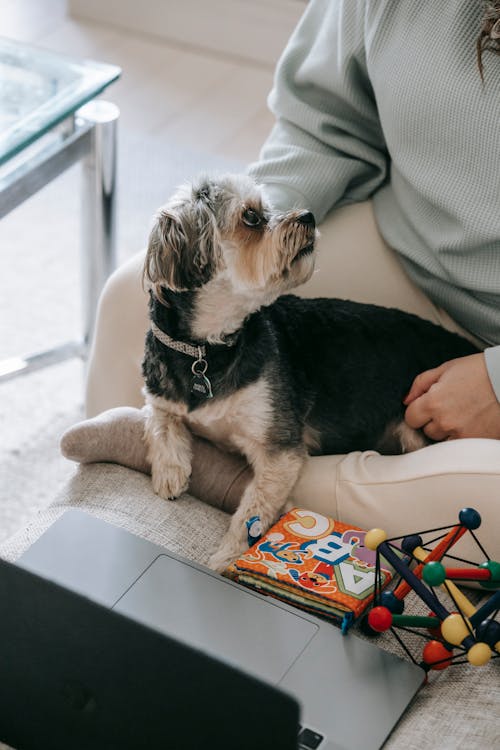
<point>174,259</point>
<point>164,258</point>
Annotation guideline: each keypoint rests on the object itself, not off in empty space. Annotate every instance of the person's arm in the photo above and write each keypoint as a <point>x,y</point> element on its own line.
<point>327,146</point>
<point>459,399</point>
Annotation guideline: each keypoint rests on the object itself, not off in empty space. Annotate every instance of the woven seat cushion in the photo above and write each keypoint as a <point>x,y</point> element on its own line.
<point>459,708</point>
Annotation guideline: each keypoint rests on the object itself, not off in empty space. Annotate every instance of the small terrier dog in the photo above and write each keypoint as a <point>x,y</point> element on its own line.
<point>232,358</point>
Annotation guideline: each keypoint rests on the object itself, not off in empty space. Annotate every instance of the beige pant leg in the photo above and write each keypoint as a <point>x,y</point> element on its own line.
<point>410,493</point>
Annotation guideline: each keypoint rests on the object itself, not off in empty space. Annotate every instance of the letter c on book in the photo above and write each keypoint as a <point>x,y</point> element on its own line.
<point>310,525</point>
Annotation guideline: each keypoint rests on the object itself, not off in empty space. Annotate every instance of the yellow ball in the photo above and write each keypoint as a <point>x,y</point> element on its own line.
<point>374,537</point>
<point>479,654</point>
<point>454,629</point>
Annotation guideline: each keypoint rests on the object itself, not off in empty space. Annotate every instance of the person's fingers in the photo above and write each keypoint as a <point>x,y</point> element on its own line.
<point>434,432</point>
<point>418,413</point>
<point>421,384</point>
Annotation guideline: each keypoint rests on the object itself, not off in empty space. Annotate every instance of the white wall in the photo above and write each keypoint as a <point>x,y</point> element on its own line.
<point>256,30</point>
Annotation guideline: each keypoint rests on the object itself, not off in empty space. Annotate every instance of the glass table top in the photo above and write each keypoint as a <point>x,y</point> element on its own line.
<point>39,89</point>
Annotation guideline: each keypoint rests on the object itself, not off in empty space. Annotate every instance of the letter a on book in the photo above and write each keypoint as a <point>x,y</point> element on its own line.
<point>353,580</point>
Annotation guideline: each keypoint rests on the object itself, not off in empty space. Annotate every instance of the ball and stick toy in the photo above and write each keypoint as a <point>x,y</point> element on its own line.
<point>472,632</point>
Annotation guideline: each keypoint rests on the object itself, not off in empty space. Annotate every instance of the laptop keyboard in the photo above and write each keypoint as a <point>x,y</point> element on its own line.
<point>309,739</point>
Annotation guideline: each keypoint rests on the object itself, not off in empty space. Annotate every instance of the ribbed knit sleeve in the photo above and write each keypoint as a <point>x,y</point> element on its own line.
<point>327,146</point>
<point>383,99</point>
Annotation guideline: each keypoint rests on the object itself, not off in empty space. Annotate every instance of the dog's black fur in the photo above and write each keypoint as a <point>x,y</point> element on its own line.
<point>341,368</point>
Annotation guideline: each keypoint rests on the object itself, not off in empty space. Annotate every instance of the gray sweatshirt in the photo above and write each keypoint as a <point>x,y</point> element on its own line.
<point>383,99</point>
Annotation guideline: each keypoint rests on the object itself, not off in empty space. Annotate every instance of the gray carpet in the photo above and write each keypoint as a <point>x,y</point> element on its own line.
<point>40,307</point>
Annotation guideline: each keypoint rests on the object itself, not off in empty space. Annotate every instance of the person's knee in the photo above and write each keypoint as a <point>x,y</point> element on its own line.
<point>114,368</point>
<point>123,305</point>
<point>124,287</point>
<point>345,235</point>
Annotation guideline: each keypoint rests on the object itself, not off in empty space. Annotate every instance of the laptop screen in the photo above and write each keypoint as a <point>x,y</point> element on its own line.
<point>78,675</point>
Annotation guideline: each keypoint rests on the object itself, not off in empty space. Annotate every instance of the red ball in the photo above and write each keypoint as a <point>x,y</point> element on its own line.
<point>436,656</point>
<point>380,619</point>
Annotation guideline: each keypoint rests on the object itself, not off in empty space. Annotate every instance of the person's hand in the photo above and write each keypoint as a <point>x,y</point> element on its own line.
<point>455,400</point>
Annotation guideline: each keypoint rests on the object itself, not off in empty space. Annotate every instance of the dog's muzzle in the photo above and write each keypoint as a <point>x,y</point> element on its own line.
<point>307,250</point>
<point>307,220</point>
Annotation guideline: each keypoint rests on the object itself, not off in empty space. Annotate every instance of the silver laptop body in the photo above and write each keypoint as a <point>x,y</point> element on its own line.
<point>351,692</point>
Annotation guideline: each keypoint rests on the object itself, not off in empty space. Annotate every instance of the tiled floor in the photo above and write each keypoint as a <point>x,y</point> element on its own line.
<point>212,102</point>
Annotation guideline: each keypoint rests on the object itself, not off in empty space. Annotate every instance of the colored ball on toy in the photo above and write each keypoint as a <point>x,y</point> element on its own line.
<point>494,568</point>
<point>454,629</point>
<point>469,518</point>
<point>436,655</point>
<point>488,632</point>
<point>436,632</point>
<point>374,538</point>
<point>434,574</point>
<point>410,542</point>
<point>393,604</point>
<point>479,654</point>
<point>380,619</point>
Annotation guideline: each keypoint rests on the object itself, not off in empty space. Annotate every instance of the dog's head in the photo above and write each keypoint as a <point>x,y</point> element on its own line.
<point>223,228</point>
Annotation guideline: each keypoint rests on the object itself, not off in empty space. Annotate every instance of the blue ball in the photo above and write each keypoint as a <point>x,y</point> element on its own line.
<point>393,604</point>
<point>488,632</point>
<point>410,542</point>
<point>469,518</point>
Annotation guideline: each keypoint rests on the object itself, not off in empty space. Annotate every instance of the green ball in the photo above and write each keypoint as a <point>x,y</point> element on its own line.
<point>434,574</point>
<point>494,568</point>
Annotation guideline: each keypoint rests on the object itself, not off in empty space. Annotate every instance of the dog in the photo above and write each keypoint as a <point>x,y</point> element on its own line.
<point>232,357</point>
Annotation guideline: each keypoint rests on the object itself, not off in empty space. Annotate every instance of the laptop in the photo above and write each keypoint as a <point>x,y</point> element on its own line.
<point>110,641</point>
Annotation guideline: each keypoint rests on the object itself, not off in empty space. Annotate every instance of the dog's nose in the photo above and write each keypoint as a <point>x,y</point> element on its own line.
<point>307,218</point>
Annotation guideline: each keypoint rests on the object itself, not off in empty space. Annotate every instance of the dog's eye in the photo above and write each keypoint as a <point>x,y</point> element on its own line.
<point>251,218</point>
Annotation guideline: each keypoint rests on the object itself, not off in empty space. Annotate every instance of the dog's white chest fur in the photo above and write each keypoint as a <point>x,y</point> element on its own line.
<point>233,422</point>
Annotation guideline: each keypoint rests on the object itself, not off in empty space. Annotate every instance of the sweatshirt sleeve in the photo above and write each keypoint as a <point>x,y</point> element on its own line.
<point>327,146</point>
<point>492,357</point>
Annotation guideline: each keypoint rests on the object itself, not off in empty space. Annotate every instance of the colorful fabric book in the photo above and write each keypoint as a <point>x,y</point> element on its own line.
<point>315,563</point>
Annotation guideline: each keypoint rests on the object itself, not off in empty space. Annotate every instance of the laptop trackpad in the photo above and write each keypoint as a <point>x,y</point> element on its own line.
<point>220,618</point>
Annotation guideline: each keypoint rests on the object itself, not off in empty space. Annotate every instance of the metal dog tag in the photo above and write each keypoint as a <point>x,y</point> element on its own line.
<point>200,384</point>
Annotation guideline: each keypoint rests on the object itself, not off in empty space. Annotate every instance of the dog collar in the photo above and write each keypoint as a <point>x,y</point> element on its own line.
<point>200,384</point>
<point>196,352</point>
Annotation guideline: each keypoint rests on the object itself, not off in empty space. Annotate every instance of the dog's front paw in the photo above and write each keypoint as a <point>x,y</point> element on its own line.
<point>221,559</point>
<point>170,481</point>
<point>231,548</point>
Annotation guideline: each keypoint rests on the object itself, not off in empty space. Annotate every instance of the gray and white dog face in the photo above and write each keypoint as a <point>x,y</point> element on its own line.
<point>220,231</point>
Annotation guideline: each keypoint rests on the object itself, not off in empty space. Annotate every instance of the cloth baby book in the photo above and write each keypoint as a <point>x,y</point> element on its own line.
<point>315,563</point>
